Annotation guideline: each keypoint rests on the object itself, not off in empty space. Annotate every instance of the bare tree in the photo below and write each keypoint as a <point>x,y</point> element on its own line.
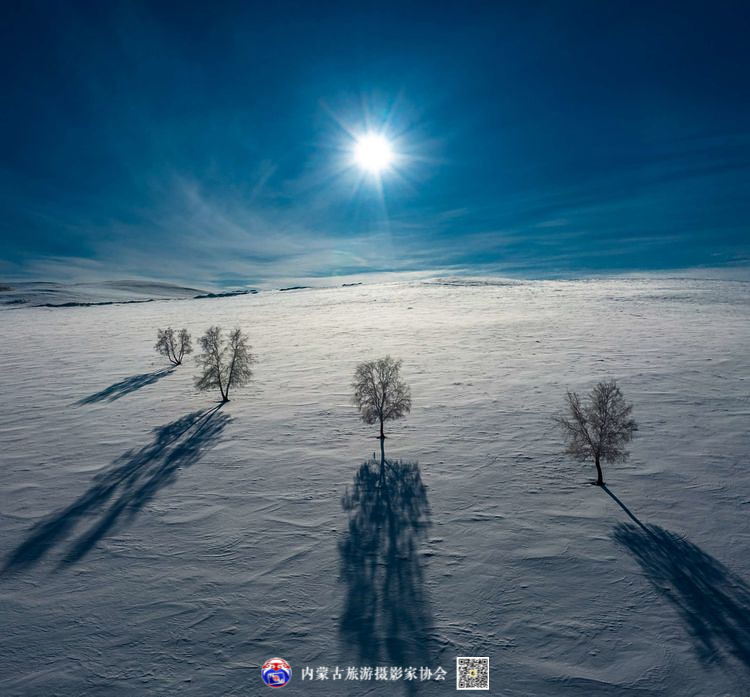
<point>173,347</point>
<point>380,394</point>
<point>600,428</point>
<point>224,363</point>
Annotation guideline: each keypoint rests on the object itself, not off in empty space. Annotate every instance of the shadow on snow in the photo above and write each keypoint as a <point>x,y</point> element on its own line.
<point>131,482</point>
<point>712,601</point>
<point>387,614</point>
<point>126,386</point>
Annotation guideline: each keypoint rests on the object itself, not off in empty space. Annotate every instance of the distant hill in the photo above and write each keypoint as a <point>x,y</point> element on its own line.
<point>52,294</point>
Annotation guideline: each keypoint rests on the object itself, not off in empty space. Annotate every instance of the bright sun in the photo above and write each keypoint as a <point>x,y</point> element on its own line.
<point>373,152</point>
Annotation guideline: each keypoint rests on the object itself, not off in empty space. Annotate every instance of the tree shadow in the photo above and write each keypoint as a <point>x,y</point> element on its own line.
<point>126,386</point>
<point>131,482</point>
<point>628,512</point>
<point>386,615</point>
<point>712,601</point>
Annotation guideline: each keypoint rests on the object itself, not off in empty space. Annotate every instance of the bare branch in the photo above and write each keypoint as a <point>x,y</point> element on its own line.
<point>380,394</point>
<point>600,429</point>
<point>173,348</point>
<point>224,363</point>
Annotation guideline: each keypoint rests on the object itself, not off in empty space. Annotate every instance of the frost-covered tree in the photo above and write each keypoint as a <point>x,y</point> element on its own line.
<point>174,347</point>
<point>224,363</point>
<point>599,428</point>
<point>379,392</point>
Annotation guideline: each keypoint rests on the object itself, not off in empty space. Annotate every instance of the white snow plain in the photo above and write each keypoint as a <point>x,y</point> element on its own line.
<point>150,546</point>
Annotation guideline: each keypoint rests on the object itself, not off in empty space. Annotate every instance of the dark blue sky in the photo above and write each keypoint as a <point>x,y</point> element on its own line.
<point>207,142</point>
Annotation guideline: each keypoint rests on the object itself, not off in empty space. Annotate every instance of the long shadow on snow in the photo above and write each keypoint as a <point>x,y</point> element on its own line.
<point>132,480</point>
<point>126,386</point>
<point>387,615</point>
<point>712,601</point>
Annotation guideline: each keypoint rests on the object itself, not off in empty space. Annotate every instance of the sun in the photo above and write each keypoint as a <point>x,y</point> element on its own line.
<point>373,152</point>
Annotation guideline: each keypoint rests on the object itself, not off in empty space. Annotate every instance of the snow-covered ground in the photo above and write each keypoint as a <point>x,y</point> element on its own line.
<point>39,293</point>
<point>153,545</point>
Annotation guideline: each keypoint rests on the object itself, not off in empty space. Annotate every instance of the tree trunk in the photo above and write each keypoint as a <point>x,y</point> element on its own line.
<point>599,477</point>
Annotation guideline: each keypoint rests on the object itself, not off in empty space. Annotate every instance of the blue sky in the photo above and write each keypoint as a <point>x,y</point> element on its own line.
<point>211,142</point>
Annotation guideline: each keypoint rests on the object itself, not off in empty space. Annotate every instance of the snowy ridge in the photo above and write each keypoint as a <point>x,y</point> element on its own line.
<point>37,293</point>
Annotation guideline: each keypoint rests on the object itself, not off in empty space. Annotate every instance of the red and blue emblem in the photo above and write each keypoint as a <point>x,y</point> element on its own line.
<point>276,672</point>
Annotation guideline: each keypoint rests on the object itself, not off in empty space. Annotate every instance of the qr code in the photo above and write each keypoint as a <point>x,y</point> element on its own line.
<point>472,673</point>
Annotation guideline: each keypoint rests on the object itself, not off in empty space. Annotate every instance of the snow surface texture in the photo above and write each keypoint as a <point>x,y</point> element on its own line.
<point>154,544</point>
